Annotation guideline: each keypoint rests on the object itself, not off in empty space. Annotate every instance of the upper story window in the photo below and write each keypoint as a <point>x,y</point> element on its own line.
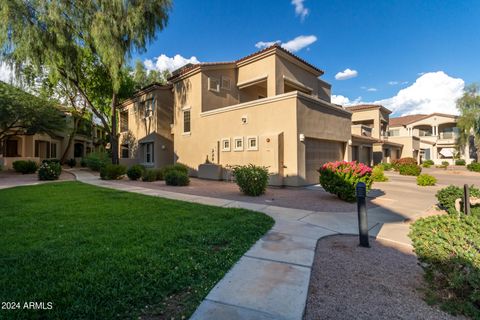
<point>149,107</point>
<point>186,121</point>
<point>393,133</point>
<point>213,84</point>
<point>123,121</point>
<point>226,83</point>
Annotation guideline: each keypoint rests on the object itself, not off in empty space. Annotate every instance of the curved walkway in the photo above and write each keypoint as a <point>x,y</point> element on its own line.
<point>271,280</point>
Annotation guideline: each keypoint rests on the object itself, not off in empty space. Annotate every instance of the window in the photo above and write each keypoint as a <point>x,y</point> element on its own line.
<point>123,121</point>
<point>186,121</point>
<point>149,156</point>
<point>386,153</point>
<point>213,84</point>
<point>53,150</point>
<point>226,83</point>
<point>252,143</point>
<point>124,151</point>
<point>394,133</point>
<point>226,144</point>
<point>238,144</point>
<point>149,107</point>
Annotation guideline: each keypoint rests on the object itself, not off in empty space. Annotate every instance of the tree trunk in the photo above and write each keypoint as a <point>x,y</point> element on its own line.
<point>113,136</point>
<point>70,140</point>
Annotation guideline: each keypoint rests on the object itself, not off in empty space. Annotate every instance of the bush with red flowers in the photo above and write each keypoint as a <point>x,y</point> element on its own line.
<point>341,178</point>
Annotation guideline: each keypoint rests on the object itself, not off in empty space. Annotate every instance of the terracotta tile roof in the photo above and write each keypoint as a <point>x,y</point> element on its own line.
<point>403,121</point>
<point>190,67</point>
<point>361,107</point>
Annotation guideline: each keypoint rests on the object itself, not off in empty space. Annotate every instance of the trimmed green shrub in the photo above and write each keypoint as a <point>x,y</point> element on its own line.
<point>446,197</point>
<point>386,166</point>
<point>445,163</point>
<point>49,170</point>
<point>426,180</point>
<point>72,163</point>
<point>428,162</point>
<point>403,161</point>
<point>112,172</point>
<point>176,178</point>
<point>341,178</point>
<point>474,166</point>
<point>426,165</point>
<point>378,174</point>
<point>97,160</point>
<point>448,248</point>
<point>25,166</point>
<point>149,175</point>
<point>51,161</point>
<point>177,166</point>
<point>460,162</point>
<point>83,163</point>
<point>252,180</point>
<point>135,172</point>
<point>409,169</point>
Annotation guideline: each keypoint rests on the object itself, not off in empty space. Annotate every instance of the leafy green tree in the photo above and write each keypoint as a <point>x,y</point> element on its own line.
<point>143,78</point>
<point>87,44</point>
<point>469,120</point>
<point>24,113</point>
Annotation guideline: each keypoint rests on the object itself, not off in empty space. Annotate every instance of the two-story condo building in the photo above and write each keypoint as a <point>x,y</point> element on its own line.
<point>269,108</point>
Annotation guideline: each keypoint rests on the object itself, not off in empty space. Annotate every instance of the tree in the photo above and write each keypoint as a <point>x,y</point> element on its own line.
<point>143,78</point>
<point>80,42</point>
<point>23,113</point>
<point>469,120</point>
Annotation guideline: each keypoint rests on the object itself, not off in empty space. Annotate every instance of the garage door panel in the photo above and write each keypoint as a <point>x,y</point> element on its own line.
<point>318,152</point>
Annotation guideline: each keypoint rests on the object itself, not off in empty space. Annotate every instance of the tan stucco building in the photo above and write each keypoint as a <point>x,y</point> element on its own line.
<point>269,108</point>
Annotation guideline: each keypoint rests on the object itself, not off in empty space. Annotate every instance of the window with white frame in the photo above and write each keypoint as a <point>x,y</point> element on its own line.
<point>226,144</point>
<point>186,121</point>
<point>226,83</point>
<point>238,144</point>
<point>213,84</point>
<point>252,143</point>
<point>149,153</point>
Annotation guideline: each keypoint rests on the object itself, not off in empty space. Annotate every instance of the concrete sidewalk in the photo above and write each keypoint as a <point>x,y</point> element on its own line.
<point>271,280</point>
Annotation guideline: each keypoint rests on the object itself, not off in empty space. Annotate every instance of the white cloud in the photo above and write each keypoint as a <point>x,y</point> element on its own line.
<point>392,83</point>
<point>293,45</point>
<point>6,73</point>
<point>372,89</point>
<point>346,74</point>
<point>431,92</point>
<point>345,101</point>
<point>300,9</point>
<point>164,62</point>
<point>263,44</point>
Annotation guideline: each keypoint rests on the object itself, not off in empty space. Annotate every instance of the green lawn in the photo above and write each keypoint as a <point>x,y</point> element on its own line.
<point>103,254</point>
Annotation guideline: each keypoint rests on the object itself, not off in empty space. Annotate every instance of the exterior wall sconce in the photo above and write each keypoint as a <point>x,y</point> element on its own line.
<point>301,137</point>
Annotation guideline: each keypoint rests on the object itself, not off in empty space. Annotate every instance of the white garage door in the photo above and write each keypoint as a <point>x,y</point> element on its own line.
<point>319,152</point>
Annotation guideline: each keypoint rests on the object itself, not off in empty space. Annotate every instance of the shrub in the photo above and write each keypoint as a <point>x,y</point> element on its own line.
<point>403,161</point>
<point>448,249</point>
<point>135,172</point>
<point>378,175</point>
<point>474,166</point>
<point>442,166</point>
<point>83,163</point>
<point>51,161</point>
<point>446,197</point>
<point>177,166</point>
<point>176,178</point>
<point>72,163</point>
<point>341,178</point>
<point>386,166</point>
<point>428,162</point>
<point>49,170</point>
<point>25,166</point>
<point>460,162</point>
<point>445,163</point>
<point>112,172</point>
<point>252,180</point>
<point>97,160</point>
<point>409,170</point>
<point>149,175</point>
<point>426,180</point>
<point>426,165</point>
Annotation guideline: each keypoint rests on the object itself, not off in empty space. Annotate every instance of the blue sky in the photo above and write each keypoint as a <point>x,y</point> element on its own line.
<point>383,41</point>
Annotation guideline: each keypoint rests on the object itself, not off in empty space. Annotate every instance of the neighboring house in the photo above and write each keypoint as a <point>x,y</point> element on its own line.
<point>40,146</point>
<point>429,137</point>
<point>370,143</point>
<point>269,108</point>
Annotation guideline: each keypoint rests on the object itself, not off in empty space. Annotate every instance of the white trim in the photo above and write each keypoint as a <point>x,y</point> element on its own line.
<point>229,144</point>
<point>217,89</point>
<point>249,148</point>
<point>186,108</point>
<point>189,133</point>
<point>235,148</point>
<point>279,97</point>
<point>251,82</point>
